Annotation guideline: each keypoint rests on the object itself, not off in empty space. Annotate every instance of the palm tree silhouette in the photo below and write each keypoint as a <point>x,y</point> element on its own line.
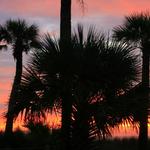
<point>136,29</point>
<point>96,67</point>
<point>65,41</point>
<point>105,67</point>
<point>22,37</point>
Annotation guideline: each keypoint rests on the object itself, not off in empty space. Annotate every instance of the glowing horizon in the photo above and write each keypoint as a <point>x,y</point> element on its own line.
<point>124,130</point>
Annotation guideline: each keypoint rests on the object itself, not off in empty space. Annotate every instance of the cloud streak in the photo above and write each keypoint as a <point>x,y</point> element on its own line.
<point>46,12</point>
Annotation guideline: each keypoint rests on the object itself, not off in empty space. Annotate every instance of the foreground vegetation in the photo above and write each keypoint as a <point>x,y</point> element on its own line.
<point>51,140</point>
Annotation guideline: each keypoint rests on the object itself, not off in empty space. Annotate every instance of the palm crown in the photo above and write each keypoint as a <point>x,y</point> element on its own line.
<point>136,28</point>
<point>21,36</point>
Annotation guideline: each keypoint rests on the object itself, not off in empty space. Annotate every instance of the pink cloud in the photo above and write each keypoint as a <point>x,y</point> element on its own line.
<point>32,8</point>
<point>52,7</point>
<point>114,7</point>
<point>46,12</point>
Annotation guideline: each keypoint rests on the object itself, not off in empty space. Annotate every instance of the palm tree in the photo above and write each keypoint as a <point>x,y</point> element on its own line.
<point>96,67</point>
<point>105,68</point>
<point>65,41</point>
<point>136,29</point>
<point>22,37</point>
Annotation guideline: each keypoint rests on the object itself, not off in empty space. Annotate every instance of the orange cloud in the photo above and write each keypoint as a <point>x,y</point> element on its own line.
<point>5,82</point>
<point>7,70</point>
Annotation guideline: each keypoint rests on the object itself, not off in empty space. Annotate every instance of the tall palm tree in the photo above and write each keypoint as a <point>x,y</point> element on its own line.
<point>22,37</point>
<point>96,67</point>
<point>136,29</point>
<point>65,41</point>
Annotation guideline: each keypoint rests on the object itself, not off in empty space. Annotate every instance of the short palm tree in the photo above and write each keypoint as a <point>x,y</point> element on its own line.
<point>105,67</point>
<point>96,66</point>
<point>22,38</point>
<point>136,29</point>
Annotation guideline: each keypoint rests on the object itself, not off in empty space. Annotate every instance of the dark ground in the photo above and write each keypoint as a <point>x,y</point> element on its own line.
<point>49,141</point>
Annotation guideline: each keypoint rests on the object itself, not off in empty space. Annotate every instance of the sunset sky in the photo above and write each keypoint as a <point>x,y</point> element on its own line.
<point>104,14</point>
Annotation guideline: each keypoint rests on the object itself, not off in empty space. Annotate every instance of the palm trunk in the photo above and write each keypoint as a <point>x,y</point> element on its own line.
<point>143,130</point>
<point>65,24</point>
<point>65,41</point>
<point>81,136</point>
<point>66,121</point>
<point>13,95</point>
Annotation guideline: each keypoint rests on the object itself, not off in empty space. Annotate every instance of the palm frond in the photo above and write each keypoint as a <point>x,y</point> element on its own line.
<point>47,58</point>
<point>134,29</point>
<point>99,68</point>
<point>21,36</point>
<point>4,35</point>
<point>35,97</point>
